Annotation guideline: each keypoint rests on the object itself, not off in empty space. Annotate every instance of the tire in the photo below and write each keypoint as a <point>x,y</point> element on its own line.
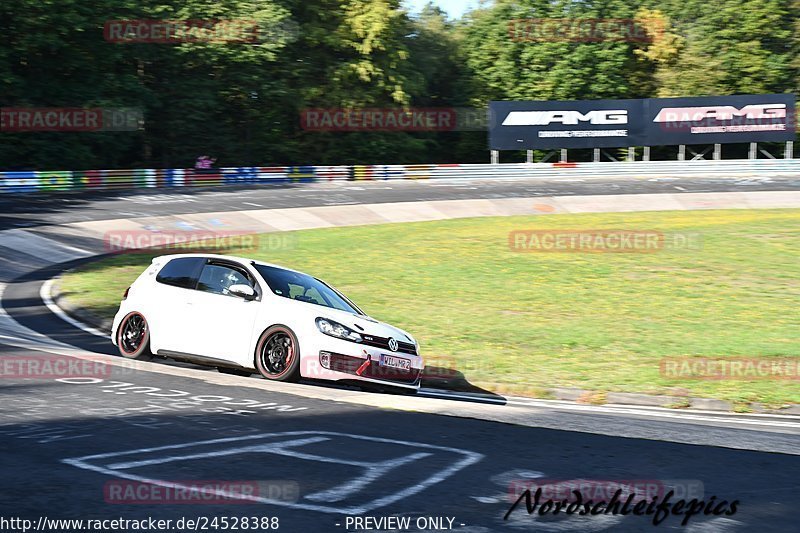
<point>133,337</point>
<point>234,371</point>
<point>278,354</point>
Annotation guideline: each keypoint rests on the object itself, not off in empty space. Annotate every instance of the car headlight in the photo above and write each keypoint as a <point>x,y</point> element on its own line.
<point>334,329</point>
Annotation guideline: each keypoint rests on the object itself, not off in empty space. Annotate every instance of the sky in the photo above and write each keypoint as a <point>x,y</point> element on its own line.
<point>454,8</point>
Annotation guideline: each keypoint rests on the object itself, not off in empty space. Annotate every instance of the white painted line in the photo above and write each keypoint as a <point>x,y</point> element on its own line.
<point>271,447</point>
<point>679,416</point>
<point>377,470</point>
<point>251,203</point>
<point>46,294</point>
<point>343,491</point>
<point>657,412</point>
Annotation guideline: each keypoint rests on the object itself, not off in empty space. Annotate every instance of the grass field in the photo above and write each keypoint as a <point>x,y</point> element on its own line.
<point>523,322</point>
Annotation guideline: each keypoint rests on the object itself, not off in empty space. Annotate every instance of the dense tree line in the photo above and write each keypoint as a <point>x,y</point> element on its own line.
<point>242,101</point>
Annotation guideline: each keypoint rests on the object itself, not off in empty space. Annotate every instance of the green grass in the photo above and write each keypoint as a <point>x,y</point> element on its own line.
<point>523,322</point>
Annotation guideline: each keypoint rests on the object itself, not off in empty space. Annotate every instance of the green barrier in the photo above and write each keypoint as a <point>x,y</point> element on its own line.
<point>55,180</point>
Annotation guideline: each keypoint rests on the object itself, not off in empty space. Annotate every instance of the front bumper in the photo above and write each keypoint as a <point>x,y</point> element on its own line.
<point>370,367</point>
<point>336,359</point>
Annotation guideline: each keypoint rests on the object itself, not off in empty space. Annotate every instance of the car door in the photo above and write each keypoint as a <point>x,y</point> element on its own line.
<point>167,313</point>
<point>222,323</point>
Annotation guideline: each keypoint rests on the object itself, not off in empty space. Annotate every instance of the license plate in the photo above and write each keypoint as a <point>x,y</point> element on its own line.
<point>395,362</point>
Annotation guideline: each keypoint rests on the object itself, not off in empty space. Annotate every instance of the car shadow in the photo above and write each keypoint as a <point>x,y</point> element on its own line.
<point>452,380</point>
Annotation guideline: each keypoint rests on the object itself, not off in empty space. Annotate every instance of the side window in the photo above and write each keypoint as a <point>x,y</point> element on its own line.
<point>217,278</point>
<point>181,272</point>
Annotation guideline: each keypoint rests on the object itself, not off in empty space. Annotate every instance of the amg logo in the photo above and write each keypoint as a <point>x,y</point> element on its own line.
<point>725,112</point>
<point>570,118</point>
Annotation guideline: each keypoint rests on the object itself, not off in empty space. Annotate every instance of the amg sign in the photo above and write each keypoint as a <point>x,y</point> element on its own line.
<point>647,122</point>
<point>575,124</point>
<point>723,112</point>
<point>721,119</point>
<point>544,118</point>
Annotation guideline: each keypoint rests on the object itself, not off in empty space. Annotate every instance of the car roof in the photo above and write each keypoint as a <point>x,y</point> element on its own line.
<point>243,260</point>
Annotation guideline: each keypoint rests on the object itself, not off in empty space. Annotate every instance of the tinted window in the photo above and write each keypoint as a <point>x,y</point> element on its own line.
<point>217,278</point>
<point>304,288</point>
<point>181,272</point>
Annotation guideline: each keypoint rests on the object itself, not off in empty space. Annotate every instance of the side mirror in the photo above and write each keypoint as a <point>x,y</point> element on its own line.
<point>243,291</point>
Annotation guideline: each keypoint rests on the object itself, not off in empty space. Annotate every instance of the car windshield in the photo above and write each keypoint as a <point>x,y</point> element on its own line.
<point>305,288</point>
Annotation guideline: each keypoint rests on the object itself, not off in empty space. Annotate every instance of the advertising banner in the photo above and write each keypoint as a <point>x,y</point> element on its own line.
<point>525,125</point>
<point>521,125</point>
<point>720,119</point>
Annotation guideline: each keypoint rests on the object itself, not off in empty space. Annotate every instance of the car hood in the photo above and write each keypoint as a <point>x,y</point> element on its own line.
<point>358,323</point>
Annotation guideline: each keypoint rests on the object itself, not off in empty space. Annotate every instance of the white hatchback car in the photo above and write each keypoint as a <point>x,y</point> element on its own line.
<point>243,316</point>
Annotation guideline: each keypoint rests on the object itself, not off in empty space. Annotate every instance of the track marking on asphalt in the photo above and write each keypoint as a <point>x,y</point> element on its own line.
<point>45,293</point>
<point>17,335</point>
<point>372,471</point>
<point>715,525</point>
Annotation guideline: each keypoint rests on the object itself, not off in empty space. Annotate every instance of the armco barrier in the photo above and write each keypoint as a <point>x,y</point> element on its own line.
<point>36,181</point>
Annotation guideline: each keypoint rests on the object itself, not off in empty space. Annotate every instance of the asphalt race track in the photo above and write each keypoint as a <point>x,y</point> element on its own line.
<point>319,456</point>
<point>33,210</point>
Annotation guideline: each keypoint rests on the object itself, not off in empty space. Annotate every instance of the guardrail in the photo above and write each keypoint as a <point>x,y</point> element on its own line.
<point>37,181</point>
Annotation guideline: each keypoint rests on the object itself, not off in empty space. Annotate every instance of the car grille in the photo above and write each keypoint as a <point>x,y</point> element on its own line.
<point>383,343</point>
<point>349,365</point>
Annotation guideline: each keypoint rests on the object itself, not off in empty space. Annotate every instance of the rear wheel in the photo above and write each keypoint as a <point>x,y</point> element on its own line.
<point>133,337</point>
<point>278,354</point>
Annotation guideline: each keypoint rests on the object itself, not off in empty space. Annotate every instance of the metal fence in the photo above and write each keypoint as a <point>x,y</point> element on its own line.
<point>89,180</point>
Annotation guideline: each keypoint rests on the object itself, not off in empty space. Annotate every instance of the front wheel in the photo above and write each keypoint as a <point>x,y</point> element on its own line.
<point>133,337</point>
<point>278,354</point>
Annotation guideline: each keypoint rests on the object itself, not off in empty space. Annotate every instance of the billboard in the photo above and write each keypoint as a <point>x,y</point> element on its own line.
<point>521,125</point>
<point>720,119</point>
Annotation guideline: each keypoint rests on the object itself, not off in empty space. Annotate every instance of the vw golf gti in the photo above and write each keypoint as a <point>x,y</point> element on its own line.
<point>243,316</point>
